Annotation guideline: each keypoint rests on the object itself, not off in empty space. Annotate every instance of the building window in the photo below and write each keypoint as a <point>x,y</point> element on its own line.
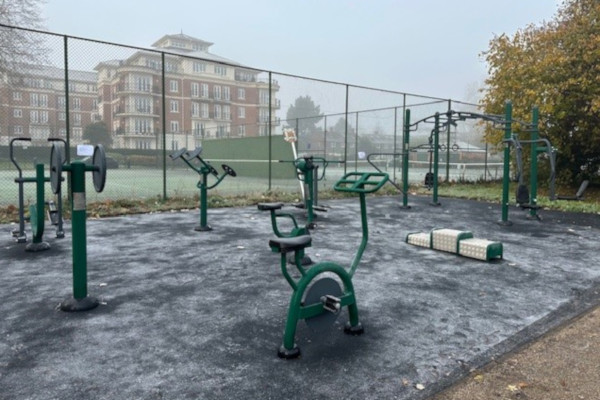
<point>199,66</point>
<point>38,117</point>
<point>174,106</point>
<point>62,116</point>
<point>142,125</point>
<point>76,119</point>
<point>72,87</point>
<point>217,92</point>
<point>62,102</point>
<point>39,100</point>
<point>241,94</point>
<point>174,126</point>
<point>227,113</point>
<point>17,96</point>
<point>217,111</point>
<point>78,133</point>
<point>143,105</point>
<point>143,83</point>
<point>226,93</point>
<point>263,96</point>
<point>195,109</point>
<point>174,86</point>
<point>17,113</point>
<point>204,110</point>
<point>204,90</point>
<point>220,70</point>
<point>195,89</point>
<point>198,129</point>
<point>18,130</point>
<point>241,130</point>
<point>76,103</point>
<point>241,112</point>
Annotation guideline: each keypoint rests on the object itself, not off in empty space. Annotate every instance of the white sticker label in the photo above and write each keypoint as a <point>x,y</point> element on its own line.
<point>85,150</point>
<point>78,201</point>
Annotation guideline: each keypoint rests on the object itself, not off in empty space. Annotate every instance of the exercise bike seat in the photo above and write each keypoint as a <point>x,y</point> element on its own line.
<point>289,244</point>
<point>269,206</point>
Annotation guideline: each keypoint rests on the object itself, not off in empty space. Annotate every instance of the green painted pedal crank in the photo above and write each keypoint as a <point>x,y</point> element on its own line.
<point>318,297</point>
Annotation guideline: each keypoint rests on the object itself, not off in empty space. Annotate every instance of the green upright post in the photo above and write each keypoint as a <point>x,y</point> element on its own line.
<point>36,213</point>
<point>80,301</point>
<point>309,180</point>
<point>436,159</point>
<point>203,204</point>
<point>506,172</point>
<point>534,170</point>
<point>40,201</point>
<point>405,156</point>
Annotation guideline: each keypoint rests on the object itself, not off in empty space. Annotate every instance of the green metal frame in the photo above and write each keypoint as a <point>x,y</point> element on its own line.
<point>352,182</point>
<point>204,170</point>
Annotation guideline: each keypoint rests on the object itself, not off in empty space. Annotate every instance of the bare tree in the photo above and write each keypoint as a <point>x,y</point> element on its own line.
<point>19,42</point>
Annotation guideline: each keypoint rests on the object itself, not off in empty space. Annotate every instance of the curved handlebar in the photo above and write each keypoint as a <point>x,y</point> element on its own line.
<point>177,154</point>
<point>361,182</point>
<point>22,139</point>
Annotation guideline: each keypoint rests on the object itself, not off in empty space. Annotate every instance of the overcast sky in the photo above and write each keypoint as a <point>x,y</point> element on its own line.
<point>428,47</point>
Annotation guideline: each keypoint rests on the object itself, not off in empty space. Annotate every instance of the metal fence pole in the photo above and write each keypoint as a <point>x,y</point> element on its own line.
<point>164,125</point>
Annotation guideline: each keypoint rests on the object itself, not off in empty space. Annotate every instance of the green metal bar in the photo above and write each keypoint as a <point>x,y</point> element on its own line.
<point>365,234</point>
<point>295,307</point>
<point>356,145</point>
<point>436,158</point>
<point>506,171</point>
<point>203,202</point>
<point>78,216</point>
<point>38,219</point>
<point>285,272</point>
<point>534,168</point>
<point>405,157</point>
<point>309,181</point>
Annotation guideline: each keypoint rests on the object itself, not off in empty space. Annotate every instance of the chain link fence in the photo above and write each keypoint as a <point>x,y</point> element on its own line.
<point>146,104</point>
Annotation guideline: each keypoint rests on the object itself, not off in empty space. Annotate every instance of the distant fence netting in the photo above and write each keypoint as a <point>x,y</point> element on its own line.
<point>145,104</point>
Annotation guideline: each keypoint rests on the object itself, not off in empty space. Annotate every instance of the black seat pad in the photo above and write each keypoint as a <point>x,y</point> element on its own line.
<point>286,245</point>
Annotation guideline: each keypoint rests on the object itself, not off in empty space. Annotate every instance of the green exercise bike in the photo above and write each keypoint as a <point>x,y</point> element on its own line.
<point>317,297</point>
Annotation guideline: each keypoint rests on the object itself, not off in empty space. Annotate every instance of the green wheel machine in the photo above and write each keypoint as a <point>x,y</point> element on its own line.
<point>77,169</point>
<point>317,297</point>
<point>36,210</point>
<point>204,169</point>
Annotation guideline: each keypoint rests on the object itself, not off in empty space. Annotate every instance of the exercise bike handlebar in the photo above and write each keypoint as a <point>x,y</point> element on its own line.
<point>12,158</point>
<point>361,182</point>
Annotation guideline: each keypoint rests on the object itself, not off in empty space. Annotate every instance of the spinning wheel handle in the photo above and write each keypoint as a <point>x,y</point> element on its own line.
<point>211,169</point>
<point>228,170</point>
<point>195,153</point>
<point>361,182</point>
<point>56,162</point>
<point>99,172</point>
<point>178,153</point>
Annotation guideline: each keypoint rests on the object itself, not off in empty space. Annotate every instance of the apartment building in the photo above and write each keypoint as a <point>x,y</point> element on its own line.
<point>33,103</point>
<point>202,96</point>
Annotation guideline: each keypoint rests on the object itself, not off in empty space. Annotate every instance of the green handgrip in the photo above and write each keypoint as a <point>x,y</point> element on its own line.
<point>361,182</point>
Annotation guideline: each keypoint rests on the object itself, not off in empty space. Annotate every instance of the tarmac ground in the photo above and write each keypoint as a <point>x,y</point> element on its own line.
<point>200,315</point>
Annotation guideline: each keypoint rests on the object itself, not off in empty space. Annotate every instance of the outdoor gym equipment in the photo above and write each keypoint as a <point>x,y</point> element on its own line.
<point>295,231</point>
<point>307,172</point>
<point>204,169</point>
<point>526,198</point>
<point>317,297</point>
<point>77,169</point>
<point>36,211</point>
<point>402,189</point>
<point>578,195</point>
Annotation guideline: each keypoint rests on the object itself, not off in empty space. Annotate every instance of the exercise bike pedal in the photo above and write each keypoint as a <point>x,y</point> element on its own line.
<point>331,303</point>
